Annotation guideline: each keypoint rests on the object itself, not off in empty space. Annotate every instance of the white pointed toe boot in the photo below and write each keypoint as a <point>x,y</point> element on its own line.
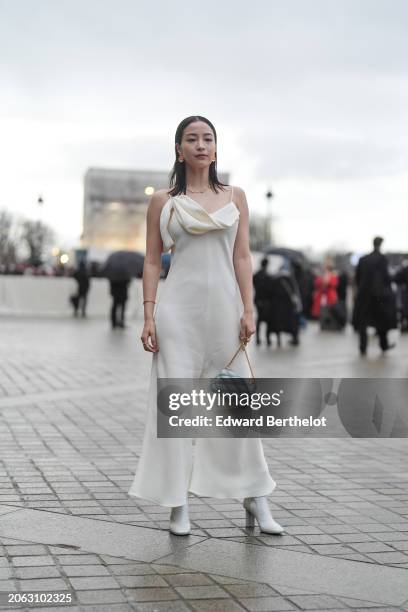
<point>257,508</point>
<point>179,521</point>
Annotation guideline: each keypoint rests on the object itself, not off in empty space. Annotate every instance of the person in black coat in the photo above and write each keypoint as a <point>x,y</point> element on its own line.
<point>401,278</point>
<point>119,293</point>
<point>339,310</point>
<point>375,301</point>
<point>278,303</point>
<point>79,301</point>
<point>285,306</point>
<point>262,283</point>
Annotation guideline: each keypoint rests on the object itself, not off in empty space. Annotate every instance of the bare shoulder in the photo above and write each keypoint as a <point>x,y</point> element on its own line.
<point>239,196</point>
<point>158,200</point>
<point>160,196</point>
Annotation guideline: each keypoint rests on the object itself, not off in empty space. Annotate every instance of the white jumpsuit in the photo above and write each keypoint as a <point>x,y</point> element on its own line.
<point>197,325</point>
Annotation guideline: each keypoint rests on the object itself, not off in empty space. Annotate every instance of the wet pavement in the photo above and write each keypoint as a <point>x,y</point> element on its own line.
<point>72,412</point>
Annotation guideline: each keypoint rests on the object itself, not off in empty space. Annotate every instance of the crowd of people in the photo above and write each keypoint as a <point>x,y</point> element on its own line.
<point>287,297</point>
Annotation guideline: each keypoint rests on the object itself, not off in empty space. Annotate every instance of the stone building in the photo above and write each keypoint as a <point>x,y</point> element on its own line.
<point>115,204</point>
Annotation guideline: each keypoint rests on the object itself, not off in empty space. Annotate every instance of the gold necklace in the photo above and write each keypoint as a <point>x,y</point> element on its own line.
<point>191,191</point>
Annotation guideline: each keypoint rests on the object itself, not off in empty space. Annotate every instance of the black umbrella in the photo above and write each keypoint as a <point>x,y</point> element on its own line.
<point>123,265</point>
<point>296,257</point>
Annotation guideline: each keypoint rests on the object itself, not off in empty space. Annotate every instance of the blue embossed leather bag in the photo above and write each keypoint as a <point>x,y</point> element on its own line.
<point>228,381</point>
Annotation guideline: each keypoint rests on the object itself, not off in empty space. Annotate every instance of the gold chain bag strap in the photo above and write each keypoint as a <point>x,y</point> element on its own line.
<point>229,382</point>
<point>241,348</point>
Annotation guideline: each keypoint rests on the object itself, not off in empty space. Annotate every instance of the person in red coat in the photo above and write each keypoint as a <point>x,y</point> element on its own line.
<point>325,288</point>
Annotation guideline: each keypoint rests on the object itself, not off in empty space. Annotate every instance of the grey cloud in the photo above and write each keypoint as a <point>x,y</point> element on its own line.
<point>309,88</point>
<point>301,155</point>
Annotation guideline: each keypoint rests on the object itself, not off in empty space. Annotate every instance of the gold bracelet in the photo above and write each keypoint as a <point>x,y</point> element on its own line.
<point>153,302</point>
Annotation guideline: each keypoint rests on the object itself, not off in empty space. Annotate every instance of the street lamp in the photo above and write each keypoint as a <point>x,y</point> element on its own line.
<point>39,208</point>
<point>268,225</point>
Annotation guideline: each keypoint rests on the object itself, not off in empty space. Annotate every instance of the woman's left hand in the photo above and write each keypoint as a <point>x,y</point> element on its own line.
<point>248,327</point>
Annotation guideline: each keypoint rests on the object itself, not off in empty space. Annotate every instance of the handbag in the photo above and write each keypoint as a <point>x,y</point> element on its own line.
<point>228,381</point>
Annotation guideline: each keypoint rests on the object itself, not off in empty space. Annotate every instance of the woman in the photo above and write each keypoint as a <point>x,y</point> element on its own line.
<point>325,289</point>
<point>196,328</point>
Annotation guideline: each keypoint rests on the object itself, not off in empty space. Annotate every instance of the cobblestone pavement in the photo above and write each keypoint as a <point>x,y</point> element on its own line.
<point>102,582</point>
<point>72,409</point>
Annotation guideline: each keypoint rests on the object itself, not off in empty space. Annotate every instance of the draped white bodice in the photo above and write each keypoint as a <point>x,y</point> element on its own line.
<point>202,248</point>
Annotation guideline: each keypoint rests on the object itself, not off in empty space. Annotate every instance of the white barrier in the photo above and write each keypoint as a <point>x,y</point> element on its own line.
<point>49,296</point>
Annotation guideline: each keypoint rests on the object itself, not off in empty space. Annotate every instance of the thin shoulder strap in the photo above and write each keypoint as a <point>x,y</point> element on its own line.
<point>232,193</point>
<point>170,216</point>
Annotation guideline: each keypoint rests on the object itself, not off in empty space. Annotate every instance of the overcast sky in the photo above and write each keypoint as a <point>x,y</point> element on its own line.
<point>309,98</point>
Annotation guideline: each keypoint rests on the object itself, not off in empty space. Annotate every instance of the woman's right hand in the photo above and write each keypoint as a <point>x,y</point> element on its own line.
<point>148,336</point>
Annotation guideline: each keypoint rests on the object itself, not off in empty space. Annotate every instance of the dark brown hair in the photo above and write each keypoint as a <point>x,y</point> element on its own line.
<point>178,173</point>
